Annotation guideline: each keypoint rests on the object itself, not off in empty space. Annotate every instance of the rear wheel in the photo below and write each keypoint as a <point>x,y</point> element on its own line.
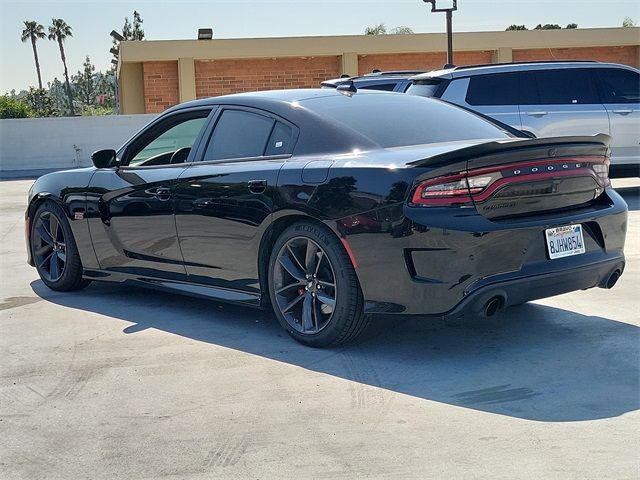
<point>54,250</point>
<point>313,287</point>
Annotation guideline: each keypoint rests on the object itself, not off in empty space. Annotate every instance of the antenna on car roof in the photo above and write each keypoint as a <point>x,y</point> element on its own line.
<point>448,66</point>
<point>347,88</point>
<point>376,70</point>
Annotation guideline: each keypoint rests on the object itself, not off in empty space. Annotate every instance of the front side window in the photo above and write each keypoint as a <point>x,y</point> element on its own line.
<point>566,87</point>
<point>497,89</point>
<point>619,86</point>
<point>239,134</point>
<point>158,145</point>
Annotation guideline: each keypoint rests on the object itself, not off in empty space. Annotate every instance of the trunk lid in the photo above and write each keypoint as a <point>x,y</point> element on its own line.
<point>515,177</point>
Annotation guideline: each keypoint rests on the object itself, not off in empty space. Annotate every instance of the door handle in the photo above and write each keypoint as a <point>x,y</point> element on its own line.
<point>257,186</point>
<point>622,111</point>
<point>537,114</point>
<point>161,193</point>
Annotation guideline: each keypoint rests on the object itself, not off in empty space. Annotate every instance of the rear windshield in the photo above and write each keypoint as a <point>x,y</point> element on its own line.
<point>424,88</point>
<point>396,119</point>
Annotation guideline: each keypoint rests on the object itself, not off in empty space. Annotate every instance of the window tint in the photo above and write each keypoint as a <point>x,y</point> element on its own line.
<point>387,87</point>
<point>239,134</point>
<point>565,87</point>
<point>280,140</point>
<point>498,89</point>
<point>395,120</point>
<point>619,86</point>
<point>424,88</point>
<point>176,132</point>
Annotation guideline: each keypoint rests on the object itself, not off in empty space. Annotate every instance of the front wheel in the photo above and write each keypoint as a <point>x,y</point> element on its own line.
<point>313,287</point>
<point>54,250</point>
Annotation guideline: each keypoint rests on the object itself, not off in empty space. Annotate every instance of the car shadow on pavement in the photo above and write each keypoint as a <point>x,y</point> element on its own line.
<point>532,362</point>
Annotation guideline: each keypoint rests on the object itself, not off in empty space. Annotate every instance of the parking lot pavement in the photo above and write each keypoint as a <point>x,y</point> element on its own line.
<point>116,382</point>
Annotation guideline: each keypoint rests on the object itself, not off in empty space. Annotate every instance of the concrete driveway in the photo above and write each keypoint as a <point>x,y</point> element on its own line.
<point>116,382</point>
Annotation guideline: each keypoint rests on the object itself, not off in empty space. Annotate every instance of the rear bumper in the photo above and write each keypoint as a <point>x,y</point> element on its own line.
<point>520,290</point>
<point>446,261</point>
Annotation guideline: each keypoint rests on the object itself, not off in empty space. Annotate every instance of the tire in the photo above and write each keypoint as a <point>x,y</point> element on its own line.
<point>54,250</point>
<point>308,307</point>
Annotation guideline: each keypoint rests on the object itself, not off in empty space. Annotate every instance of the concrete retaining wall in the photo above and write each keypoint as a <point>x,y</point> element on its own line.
<point>30,147</point>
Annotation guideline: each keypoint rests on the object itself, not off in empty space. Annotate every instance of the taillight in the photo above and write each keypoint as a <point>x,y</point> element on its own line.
<point>479,184</point>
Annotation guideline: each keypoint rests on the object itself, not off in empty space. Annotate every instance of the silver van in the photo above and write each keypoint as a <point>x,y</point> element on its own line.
<point>549,99</point>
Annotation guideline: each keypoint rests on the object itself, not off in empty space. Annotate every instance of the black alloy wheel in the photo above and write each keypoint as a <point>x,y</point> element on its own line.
<point>305,285</point>
<point>49,246</point>
<point>314,288</point>
<point>54,250</point>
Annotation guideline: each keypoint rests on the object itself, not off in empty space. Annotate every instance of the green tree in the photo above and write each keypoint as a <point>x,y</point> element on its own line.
<point>628,22</point>
<point>58,32</point>
<point>516,27</point>
<point>137,33</point>
<point>571,26</point>
<point>401,30</point>
<point>41,103</point>
<point>379,29</point>
<point>548,26</point>
<point>34,31</point>
<point>85,84</point>
<point>13,108</point>
<point>58,94</point>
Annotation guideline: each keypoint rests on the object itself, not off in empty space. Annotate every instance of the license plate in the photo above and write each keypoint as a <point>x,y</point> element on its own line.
<point>564,241</point>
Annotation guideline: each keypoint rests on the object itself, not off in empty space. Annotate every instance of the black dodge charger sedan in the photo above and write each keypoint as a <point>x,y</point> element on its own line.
<point>331,205</point>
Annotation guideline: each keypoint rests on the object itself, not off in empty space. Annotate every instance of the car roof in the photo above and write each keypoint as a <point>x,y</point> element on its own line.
<point>382,76</point>
<point>273,100</point>
<point>471,70</point>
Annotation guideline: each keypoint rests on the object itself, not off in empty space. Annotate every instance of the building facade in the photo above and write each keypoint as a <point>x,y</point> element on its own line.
<point>155,75</point>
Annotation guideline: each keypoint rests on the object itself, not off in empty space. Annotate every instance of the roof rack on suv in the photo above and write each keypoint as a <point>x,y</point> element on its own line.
<point>378,73</point>
<point>464,67</point>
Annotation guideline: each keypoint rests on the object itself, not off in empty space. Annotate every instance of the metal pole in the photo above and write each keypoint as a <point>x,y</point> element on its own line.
<point>450,37</point>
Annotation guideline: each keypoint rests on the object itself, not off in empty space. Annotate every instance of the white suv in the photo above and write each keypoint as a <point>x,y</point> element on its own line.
<point>549,99</point>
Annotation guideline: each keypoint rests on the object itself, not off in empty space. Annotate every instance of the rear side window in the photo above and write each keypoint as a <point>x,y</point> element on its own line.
<point>280,140</point>
<point>425,88</point>
<point>618,85</point>
<point>498,89</point>
<point>239,134</point>
<point>565,87</point>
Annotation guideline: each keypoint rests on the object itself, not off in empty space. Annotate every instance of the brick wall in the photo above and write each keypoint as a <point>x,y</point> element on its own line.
<point>160,80</point>
<point>418,61</point>
<point>220,77</point>
<point>624,55</point>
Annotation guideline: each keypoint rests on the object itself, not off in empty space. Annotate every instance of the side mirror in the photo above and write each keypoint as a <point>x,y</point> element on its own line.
<point>104,158</point>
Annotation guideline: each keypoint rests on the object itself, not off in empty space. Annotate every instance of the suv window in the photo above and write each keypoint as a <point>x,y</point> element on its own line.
<point>564,87</point>
<point>239,134</point>
<point>496,89</point>
<point>619,86</point>
<point>158,144</point>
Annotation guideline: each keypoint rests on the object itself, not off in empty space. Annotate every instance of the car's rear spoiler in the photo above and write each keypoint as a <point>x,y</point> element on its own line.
<point>601,143</point>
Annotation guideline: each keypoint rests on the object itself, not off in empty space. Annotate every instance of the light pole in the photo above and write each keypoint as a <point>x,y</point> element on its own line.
<point>115,51</point>
<point>449,11</point>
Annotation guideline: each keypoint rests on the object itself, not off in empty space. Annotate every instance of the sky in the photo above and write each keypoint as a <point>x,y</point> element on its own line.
<point>92,22</point>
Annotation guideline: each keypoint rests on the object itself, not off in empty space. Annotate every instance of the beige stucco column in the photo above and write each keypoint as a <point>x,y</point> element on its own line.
<point>131,88</point>
<point>349,64</point>
<point>503,55</point>
<point>186,79</point>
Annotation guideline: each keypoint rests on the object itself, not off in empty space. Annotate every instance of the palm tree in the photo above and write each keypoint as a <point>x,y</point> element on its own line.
<point>58,31</point>
<point>34,31</point>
